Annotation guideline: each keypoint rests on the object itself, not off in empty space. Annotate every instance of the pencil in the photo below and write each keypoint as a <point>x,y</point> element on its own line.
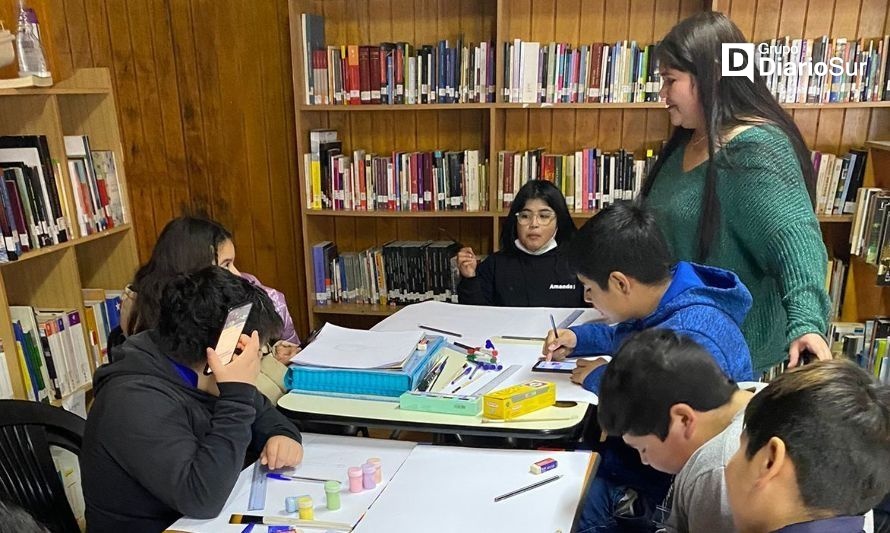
<point>527,488</point>
<point>442,331</point>
<point>516,338</point>
<point>288,521</point>
<point>466,383</point>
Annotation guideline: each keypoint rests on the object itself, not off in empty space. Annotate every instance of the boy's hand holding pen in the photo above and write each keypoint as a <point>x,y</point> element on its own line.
<point>559,344</point>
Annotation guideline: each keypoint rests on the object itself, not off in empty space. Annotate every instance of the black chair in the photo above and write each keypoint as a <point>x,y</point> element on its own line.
<point>28,476</point>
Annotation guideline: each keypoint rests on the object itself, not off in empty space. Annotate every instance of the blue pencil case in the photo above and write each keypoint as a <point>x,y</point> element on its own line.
<point>374,382</point>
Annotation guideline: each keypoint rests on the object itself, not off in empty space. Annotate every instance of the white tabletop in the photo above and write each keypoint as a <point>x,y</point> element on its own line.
<point>459,486</point>
<point>425,488</point>
<point>325,457</point>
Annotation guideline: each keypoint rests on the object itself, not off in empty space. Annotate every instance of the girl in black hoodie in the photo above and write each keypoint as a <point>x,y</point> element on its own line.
<point>527,271</point>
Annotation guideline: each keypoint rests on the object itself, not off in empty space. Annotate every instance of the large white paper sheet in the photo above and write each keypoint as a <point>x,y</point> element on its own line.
<point>326,457</point>
<point>337,347</point>
<point>477,323</point>
<point>452,490</point>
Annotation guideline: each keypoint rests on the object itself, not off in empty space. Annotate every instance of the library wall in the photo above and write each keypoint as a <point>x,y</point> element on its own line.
<point>205,104</point>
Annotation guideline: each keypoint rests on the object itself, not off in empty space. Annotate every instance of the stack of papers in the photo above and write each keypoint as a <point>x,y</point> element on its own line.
<point>337,347</point>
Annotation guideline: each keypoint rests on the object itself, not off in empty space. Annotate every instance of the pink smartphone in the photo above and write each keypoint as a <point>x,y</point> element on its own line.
<point>231,332</point>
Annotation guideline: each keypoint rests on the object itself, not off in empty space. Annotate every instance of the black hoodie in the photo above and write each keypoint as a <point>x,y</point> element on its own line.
<point>156,448</point>
<point>517,279</point>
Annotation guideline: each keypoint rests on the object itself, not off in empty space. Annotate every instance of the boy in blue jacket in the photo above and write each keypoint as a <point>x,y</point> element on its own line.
<point>622,258</point>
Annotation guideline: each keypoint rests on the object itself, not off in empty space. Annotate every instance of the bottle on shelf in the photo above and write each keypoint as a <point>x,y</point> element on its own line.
<point>29,49</point>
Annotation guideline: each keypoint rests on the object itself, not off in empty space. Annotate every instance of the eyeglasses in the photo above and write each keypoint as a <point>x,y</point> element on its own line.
<point>544,217</point>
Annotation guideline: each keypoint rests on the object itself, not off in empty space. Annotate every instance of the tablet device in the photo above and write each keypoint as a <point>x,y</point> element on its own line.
<point>562,367</point>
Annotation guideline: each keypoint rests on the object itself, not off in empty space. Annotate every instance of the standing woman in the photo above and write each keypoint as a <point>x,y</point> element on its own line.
<point>527,271</point>
<point>734,187</point>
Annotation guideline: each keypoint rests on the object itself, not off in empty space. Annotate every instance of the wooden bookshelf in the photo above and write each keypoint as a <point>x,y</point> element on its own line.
<point>54,276</point>
<point>559,128</point>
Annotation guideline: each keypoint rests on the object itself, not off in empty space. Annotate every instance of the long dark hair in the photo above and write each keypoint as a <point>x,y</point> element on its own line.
<point>543,190</point>
<point>693,46</point>
<point>186,244</point>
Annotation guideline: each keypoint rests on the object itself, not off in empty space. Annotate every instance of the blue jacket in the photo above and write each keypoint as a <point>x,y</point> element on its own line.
<point>704,303</point>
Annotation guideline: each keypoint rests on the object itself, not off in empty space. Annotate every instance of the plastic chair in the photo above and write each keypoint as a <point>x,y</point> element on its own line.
<point>28,475</point>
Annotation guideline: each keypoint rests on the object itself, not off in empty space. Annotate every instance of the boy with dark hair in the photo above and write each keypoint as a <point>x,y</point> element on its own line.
<point>622,258</point>
<point>163,439</point>
<point>667,398</point>
<point>815,452</point>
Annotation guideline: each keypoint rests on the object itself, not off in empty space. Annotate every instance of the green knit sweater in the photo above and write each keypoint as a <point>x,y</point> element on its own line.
<point>768,235</point>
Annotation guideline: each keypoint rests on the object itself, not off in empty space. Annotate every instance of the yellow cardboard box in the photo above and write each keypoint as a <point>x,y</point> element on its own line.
<point>519,399</point>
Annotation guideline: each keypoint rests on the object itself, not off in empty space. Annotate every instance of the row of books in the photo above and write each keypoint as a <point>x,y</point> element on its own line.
<point>838,179</point>
<point>57,348</point>
<point>394,73</point>
<point>825,70</point>
<point>436,180</point>
<point>835,282</point>
<point>34,209</point>
<point>870,236</point>
<point>94,180</point>
<point>622,72</point>
<point>397,273</point>
<point>589,178</point>
<point>864,343</point>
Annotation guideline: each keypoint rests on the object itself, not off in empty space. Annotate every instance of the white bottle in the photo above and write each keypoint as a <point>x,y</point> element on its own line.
<point>32,61</point>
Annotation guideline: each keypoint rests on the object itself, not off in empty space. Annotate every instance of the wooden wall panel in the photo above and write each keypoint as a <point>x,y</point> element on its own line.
<point>205,104</point>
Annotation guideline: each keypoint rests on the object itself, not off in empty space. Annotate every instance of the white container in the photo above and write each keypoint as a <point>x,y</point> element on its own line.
<point>7,48</point>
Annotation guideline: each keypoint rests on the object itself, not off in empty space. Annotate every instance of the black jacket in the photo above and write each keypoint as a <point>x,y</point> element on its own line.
<point>517,279</point>
<point>156,448</point>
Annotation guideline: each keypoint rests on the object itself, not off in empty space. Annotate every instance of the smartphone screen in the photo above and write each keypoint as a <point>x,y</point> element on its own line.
<point>231,332</point>
<point>555,366</point>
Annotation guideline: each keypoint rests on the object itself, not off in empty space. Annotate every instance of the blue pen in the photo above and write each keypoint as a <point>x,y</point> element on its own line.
<point>462,374</point>
<point>248,529</point>
<point>284,477</point>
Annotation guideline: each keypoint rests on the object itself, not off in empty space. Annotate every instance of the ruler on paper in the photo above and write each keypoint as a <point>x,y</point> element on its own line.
<point>570,319</point>
<point>257,500</point>
<point>503,375</point>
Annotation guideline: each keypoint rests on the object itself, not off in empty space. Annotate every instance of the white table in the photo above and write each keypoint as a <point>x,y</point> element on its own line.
<point>426,488</point>
<point>447,490</point>
<point>325,457</point>
<point>562,421</point>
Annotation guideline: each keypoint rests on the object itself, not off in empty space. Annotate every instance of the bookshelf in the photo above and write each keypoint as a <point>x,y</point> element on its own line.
<point>558,127</point>
<point>53,276</point>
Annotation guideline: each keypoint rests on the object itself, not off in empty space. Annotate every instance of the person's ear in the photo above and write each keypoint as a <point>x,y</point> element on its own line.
<point>770,460</point>
<point>619,282</point>
<point>686,418</point>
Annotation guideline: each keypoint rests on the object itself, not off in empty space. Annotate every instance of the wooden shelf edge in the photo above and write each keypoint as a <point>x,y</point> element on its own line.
<point>539,105</point>
<point>355,309</point>
<point>878,145</point>
<point>402,214</point>
<point>835,218</point>
<point>83,81</point>
<point>83,388</point>
<point>838,105</point>
<point>393,107</point>
<point>73,242</point>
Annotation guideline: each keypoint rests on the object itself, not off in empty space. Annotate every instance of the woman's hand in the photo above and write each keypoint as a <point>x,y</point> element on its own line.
<point>283,351</point>
<point>809,342</point>
<point>467,262</point>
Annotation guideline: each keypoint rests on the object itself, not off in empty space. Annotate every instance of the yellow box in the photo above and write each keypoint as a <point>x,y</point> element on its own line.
<point>519,399</point>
